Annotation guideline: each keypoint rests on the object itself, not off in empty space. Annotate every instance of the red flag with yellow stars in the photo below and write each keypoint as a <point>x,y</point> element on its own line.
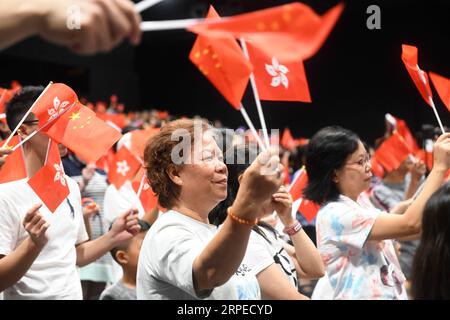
<point>50,183</point>
<point>292,32</point>
<point>123,167</point>
<point>419,77</point>
<point>222,61</point>
<point>14,167</point>
<point>83,133</point>
<point>278,80</point>
<point>442,86</point>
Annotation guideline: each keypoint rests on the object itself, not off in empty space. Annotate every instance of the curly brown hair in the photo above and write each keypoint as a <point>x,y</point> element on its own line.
<point>157,158</point>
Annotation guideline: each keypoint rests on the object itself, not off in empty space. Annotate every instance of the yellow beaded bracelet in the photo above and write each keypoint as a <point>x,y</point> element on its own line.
<point>240,220</point>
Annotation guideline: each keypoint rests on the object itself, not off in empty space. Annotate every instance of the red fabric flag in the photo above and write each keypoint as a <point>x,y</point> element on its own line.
<point>124,167</point>
<point>419,77</point>
<point>287,140</point>
<point>5,96</point>
<point>308,209</point>
<point>118,119</point>
<point>56,99</point>
<point>14,167</point>
<point>139,139</point>
<point>392,152</point>
<point>49,183</point>
<point>83,133</point>
<point>290,32</point>
<point>377,168</point>
<point>442,86</point>
<point>103,162</point>
<point>278,80</point>
<point>296,190</point>
<point>408,138</point>
<point>221,60</point>
<point>147,197</point>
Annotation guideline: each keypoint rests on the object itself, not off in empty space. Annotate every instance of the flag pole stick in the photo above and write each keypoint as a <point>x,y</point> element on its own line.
<point>145,4</point>
<point>25,116</point>
<point>256,95</point>
<point>162,25</point>
<point>437,115</point>
<point>252,127</point>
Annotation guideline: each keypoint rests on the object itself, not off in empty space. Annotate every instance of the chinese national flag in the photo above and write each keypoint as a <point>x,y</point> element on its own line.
<point>83,133</point>
<point>278,80</point>
<point>442,86</point>
<point>49,183</point>
<point>289,32</point>
<point>147,197</point>
<point>14,167</point>
<point>56,99</point>
<point>392,152</point>
<point>408,138</point>
<point>222,61</point>
<point>123,167</point>
<point>419,77</point>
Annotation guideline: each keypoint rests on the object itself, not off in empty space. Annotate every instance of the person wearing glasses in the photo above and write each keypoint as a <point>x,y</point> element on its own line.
<point>276,264</point>
<point>355,241</point>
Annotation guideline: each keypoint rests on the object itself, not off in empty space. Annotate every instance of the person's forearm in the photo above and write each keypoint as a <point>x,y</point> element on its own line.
<point>222,256</point>
<point>16,264</point>
<point>414,212</point>
<point>307,256</point>
<point>19,19</point>
<point>90,251</point>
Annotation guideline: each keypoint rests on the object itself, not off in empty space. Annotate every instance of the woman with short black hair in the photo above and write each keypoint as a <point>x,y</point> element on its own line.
<point>353,240</point>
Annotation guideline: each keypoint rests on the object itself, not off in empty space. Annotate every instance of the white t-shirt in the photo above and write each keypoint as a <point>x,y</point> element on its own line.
<point>261,254</point>
<point>166,258</point>
<point>356,267</point>
<point>53,275</point>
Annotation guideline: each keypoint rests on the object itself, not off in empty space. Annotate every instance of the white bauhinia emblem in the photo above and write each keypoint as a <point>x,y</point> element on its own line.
<point>57,107</point>
<point>123,167</point>
<point>278,72</point>
<point>59,176</point>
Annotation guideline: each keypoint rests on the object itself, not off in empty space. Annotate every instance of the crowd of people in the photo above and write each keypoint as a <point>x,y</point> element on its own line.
<point>212,234</point>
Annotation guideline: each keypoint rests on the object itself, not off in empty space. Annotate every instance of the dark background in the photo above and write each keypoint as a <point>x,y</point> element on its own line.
<point>355,78</point>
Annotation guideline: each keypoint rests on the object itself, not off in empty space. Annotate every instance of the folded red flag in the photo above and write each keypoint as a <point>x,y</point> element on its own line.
<point>392,152</point>
<point>222,61</point>
<point>419,77</point>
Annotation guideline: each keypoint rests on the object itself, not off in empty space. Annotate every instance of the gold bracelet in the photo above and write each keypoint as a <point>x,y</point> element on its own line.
<point>240,220</point>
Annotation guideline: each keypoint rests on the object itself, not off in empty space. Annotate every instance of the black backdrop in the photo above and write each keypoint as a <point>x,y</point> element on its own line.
<point>355,78</point>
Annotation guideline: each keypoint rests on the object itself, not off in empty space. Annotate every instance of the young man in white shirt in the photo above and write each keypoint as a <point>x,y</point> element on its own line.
<point>53,274</point>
